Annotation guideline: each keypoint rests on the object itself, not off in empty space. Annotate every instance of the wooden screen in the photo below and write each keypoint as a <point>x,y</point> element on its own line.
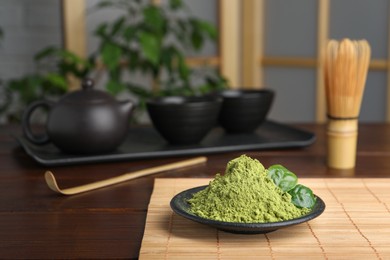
<point>253,25</point>
<point>240,54</point>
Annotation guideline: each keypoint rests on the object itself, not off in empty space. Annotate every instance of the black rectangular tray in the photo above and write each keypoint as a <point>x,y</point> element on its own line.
<point>145,142</point>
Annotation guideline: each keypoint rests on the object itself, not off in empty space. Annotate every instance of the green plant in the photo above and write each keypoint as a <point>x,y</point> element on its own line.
<point>153,40</point>
<point>54,65</point>
<point>147,39</point>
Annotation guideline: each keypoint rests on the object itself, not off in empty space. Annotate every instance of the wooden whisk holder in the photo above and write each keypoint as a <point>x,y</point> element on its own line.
<point>342,143</point>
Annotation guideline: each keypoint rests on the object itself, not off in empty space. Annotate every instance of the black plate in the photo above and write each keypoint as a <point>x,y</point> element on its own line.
<point>181,207</point>
<point>145,143</point>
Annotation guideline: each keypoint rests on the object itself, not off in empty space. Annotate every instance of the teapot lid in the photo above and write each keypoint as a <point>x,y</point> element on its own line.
<point>87,94</point>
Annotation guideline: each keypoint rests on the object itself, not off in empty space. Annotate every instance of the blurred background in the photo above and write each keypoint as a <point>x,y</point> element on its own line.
<point>259,43</point>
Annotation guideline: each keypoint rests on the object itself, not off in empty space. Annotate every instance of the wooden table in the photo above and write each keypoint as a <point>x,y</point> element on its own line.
<point>109,223</point>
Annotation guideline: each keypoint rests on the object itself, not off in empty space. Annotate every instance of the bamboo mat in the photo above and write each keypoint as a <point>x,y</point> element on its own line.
<point>355,225</point>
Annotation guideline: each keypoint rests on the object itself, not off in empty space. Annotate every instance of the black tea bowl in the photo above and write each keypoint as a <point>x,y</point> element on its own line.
<point>243,111</point>
<point>184,120</point>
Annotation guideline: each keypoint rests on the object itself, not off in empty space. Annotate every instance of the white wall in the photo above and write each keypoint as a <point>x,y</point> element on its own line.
<point>28,27</point>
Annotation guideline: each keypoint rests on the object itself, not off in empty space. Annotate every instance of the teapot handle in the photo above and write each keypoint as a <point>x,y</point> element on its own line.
<point>36,139</point>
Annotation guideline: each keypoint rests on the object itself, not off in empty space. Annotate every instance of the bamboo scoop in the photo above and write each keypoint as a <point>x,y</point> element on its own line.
<point>52,183</point>
<point>346,67</point>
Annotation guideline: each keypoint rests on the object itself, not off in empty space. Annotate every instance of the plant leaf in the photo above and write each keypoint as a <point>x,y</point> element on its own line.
<point>115,87</point>
<point>183,69</point>
<point>150,47</point>
<point>57,81</point>
<point>45,53</point>
<point>302,196</point>
<point>117,26</point>
<point>101,30</point>
<point>111,55</point>
<point>282,177</point>
<point>129,32</point>
<point>139,90</point>
<point>208,28</point>
<point>175,4</point>
<point>167,57</point>
<point>103,4</point>
<point>71,57</point>
<point>153,18</point>
<point>197,39</point>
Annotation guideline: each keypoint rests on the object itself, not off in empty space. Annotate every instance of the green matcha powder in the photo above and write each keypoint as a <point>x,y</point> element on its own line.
<point>244,194</point>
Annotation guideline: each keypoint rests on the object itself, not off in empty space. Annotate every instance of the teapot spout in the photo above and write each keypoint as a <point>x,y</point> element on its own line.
<point>126,107</point>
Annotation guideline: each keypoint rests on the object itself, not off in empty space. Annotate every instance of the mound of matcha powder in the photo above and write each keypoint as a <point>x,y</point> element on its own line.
<point>244,194</point>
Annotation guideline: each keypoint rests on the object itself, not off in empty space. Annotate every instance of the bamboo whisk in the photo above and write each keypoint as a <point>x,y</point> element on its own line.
<point>346,67</point>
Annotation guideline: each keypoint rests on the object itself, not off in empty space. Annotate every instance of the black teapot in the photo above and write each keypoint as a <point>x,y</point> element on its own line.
<point>85,121</point>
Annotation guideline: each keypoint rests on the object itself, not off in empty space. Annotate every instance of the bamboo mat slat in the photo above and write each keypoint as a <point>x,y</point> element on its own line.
<point>355,225</point>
